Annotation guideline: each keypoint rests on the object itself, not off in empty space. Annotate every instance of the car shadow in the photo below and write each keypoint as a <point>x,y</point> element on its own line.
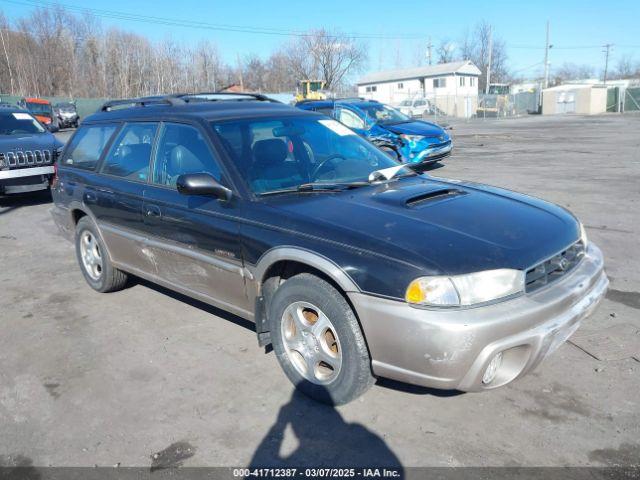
<point>416,389</point>
<point>230,317</point>
<point>430,167</point>
<point>322,439</point>
<point>14,201</point>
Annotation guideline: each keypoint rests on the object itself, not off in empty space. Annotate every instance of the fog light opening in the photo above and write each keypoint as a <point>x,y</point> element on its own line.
<point>492,369</point>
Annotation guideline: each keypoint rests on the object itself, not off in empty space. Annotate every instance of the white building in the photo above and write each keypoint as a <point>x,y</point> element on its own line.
<point>452,87</point>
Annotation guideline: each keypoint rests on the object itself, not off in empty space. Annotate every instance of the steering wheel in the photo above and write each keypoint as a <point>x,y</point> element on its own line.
<point>324,162</point>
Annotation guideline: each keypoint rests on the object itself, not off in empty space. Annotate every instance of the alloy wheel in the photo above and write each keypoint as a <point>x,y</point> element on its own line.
<point>311,343</point>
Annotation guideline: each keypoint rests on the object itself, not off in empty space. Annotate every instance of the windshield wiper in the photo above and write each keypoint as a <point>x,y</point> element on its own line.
<point>316,187</point>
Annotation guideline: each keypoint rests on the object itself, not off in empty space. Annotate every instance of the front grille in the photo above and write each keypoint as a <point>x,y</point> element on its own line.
<point>28,158</point>
<point>554,268</point>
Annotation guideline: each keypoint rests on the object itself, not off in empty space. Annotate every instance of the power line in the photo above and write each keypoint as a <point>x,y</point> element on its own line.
<point>117,15</point>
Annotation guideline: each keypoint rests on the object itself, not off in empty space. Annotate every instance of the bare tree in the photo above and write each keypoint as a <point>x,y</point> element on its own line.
<point>326,56</point>
<point>626,67</point>
<point>570,71</point>
<point>474,46</point>
<point>446,51</point>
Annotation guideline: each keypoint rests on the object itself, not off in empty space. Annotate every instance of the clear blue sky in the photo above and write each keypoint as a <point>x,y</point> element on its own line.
<point>574,23</point>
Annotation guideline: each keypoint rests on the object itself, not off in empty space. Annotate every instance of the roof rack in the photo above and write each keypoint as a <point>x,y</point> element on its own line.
<point>183,98</point>
<point>202,96</point>
<point>143,102</point>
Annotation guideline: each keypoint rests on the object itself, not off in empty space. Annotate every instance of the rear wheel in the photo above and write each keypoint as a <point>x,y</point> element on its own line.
<point>94,261</point>
<point>318,340</point>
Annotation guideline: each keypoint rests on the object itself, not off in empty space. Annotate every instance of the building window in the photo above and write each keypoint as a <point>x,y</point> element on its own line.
<point>463,81</point>
<point>371,88</point>
<point>439,82</point>
<point>400,86</point>
<point>472,81</point>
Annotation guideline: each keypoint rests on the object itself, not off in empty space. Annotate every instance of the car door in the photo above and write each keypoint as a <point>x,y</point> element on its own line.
<point>119,190</point>
<point>193,239</point>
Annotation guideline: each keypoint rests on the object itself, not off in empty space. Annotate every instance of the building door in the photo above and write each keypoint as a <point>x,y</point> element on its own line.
<point>566,102</point>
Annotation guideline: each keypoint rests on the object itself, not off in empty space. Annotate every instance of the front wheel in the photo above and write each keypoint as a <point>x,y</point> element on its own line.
<point>318,341</point>
<point>393,153</point>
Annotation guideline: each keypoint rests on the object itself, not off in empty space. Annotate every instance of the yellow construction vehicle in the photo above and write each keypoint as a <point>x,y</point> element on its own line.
<point>311,90</point>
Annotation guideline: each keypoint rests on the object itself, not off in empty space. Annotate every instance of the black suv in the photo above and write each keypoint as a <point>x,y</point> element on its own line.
<point>351,265</point>
<point>27,152</point>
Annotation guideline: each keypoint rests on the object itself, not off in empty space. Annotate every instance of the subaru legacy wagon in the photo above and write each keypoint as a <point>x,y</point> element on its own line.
<point>351,265</point>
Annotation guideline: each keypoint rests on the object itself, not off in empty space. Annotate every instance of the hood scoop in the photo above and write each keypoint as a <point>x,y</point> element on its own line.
<point>433,196</point>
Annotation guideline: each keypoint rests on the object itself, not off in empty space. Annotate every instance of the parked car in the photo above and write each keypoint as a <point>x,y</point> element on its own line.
<point>351,265</point>
<point>405,139</point>
<point>419,107</point>
<point>27,152</point>
<point>42,110</point>
<point>67,115</point>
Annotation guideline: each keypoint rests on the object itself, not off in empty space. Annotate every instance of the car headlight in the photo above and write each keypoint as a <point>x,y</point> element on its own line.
<point>583,235</point>
<point>464,290</point>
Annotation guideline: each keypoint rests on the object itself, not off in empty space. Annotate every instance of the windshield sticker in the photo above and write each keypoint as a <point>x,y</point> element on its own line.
<point>336,127</point>
<point>22,116</point>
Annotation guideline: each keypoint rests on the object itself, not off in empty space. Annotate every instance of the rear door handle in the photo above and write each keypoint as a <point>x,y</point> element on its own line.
<point>152,211</point>
<point>90,197</point>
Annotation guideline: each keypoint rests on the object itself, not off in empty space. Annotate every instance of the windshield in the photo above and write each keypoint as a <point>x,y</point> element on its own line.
<point>405,103</point>
<point>14,123</point>
<point>39,108</point>
<point>66,107</point>
<point>383,114</point>
<point>294,153</point>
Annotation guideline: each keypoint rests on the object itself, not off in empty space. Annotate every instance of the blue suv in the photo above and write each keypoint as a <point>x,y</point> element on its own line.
<point>402,137</point>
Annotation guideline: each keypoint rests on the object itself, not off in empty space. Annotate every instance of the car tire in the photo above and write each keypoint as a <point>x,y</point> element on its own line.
<point>347,373</point>
<point>94,260</point>
<point>391,152</point>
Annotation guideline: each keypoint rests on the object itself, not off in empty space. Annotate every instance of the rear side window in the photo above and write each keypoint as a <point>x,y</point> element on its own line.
<point>131,151</point>
<point>350,119</point>
<point>182,149</point>
<point>87,145</point>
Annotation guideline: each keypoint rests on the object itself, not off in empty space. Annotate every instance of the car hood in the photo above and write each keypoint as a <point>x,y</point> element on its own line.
<point>443,227</point>
<point>25,142</point>
<point>416,127</point>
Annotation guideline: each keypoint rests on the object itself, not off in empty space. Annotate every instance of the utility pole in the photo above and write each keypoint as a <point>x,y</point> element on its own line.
<point>606,50</point>
<point>547,47</point>
<point>429,46</point>
<point>486,87</point>
<point>240,72</point>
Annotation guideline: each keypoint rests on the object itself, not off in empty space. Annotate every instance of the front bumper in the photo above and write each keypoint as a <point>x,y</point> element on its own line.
<point>429,155</point>
<point>24,180</point>
<point>451,349</point>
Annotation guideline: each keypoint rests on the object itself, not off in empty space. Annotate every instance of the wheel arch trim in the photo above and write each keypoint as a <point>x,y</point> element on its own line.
<point>306,257</point>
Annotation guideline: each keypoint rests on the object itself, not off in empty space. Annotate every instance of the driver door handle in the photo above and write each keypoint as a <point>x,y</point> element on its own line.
<point>152,211</point>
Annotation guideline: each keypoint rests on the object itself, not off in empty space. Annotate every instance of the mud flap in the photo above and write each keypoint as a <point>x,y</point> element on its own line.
<point>264,335</point>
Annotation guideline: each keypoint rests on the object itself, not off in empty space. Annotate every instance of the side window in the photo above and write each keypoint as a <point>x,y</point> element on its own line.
<point>130,153</point>
<point>182,149</point>
<point>350,119</point>
<point>87,145</point>
<point>420,103</point>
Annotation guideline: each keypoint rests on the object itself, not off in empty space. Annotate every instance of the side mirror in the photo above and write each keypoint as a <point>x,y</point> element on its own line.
<point>202,184</point>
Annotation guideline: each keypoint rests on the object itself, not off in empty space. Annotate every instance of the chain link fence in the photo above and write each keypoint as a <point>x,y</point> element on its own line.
<point>444,108</point>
